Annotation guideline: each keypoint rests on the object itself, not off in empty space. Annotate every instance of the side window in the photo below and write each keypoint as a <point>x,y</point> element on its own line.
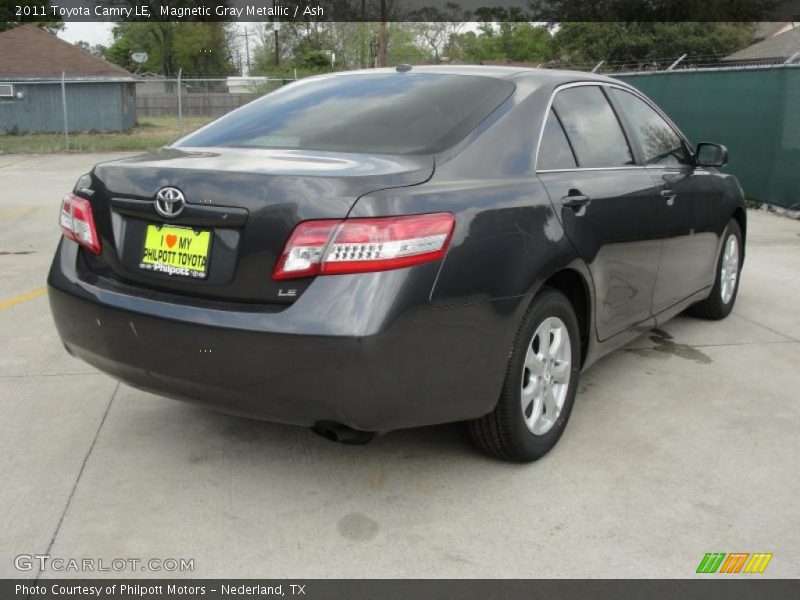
<point>554,151</point>
<point>659,142</point>
<point>592,127</point>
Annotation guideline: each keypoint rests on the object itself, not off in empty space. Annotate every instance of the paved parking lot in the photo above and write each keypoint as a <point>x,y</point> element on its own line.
<point>686,442</point>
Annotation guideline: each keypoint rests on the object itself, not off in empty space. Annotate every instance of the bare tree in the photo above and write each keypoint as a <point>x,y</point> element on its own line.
<point>382,36</point>
<point>434,27</point>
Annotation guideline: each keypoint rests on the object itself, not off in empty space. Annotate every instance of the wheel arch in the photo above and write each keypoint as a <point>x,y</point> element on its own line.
<point>740,216</point>
<point>575,286</point>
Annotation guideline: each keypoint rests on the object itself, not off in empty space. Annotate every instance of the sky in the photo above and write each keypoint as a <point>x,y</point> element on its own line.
<point>97,32</point>
<point>100,32</point>
<point>94,33</point>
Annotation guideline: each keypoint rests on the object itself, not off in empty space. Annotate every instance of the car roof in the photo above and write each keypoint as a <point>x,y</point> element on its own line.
<point>551,76</point>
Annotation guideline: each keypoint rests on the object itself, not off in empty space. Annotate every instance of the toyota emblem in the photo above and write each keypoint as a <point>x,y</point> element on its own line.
<point>169,202</point>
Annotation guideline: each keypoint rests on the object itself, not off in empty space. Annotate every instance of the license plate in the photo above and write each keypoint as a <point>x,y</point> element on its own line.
<point>180,251</point>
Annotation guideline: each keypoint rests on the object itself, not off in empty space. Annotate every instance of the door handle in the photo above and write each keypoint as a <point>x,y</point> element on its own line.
<point>575,201</point>
<point>669,195</point>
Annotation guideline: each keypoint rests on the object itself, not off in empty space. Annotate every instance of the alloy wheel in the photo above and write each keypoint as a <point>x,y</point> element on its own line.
<point>546,375</point>
<point>729,269</point>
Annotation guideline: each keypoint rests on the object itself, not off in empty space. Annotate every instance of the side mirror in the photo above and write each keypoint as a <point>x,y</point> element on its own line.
<point>711,155</point>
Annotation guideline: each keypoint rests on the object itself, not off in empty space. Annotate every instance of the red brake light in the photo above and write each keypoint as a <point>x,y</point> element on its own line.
<point>380,244</point>
<point>77,222</point>
<point>361,245</point>
<point>302,254</point>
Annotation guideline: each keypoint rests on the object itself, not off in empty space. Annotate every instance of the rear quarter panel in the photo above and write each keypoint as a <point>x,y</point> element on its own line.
<point>507,239</point>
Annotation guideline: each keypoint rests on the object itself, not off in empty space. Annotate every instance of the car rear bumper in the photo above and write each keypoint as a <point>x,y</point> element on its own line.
<point>363,351</point>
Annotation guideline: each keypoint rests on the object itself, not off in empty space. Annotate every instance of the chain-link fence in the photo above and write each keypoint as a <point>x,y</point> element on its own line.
<point>679,63</point>
<point>193,99</point>
<point>153,107</point>
<point>753,107</point>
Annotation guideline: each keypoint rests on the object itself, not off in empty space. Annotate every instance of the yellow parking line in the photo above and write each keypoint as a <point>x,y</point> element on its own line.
<point>22,298</point>
<point>18,212</point>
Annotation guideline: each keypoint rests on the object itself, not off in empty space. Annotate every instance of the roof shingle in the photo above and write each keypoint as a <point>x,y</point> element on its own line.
<point>29,51</point>
<point>781,46</point>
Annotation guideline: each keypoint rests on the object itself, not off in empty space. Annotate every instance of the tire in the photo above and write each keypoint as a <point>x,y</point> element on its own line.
<point>720,302</point>
<point>508,432</point>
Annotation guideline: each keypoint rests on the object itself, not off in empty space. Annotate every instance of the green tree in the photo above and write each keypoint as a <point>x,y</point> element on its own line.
<point>646,41</point>
<point>513,41</point>
<point>631,11</point>
<point>404,47</point>
<point>317,60</point>
<point>433,27</point>
<point>9,19</point>
<point>524,41</point>
<point>199,48</point>
<point>295,40</point>
<point>98,49</point>
<point>354,45</point>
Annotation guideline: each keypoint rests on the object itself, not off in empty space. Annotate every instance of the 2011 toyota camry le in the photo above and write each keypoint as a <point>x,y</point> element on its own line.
<point>383,249</point>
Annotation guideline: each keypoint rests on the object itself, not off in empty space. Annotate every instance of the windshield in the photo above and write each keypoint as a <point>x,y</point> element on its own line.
<point>387,113</point>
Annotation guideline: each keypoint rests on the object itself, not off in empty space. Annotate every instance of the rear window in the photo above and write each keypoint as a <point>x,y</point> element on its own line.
<point>391,113</point>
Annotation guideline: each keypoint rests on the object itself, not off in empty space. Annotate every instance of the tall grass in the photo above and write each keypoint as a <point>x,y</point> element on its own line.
<point>149,134</point>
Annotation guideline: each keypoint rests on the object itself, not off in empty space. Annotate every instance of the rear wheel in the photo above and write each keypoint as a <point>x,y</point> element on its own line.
<point>726,285</point>
<point>540,384</point>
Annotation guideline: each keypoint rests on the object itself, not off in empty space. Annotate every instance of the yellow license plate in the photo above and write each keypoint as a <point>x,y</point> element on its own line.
<point>178,251</point>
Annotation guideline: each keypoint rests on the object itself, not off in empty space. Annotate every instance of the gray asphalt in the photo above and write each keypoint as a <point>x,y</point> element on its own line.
<point>680,444</point>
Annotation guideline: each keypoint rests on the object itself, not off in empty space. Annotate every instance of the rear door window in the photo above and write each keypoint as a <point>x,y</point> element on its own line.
<point>659,142</point>
<point>592,127</point>
<point>554,151</point>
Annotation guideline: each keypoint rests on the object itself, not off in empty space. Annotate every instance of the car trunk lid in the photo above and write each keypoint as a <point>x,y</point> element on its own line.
<point>249,200</point>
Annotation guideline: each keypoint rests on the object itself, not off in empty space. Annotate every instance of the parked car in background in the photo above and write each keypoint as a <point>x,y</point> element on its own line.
<point>368,251</point>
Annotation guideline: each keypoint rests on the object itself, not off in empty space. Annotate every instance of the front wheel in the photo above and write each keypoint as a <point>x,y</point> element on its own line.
<point>726,285</point>
<point>540,384</point>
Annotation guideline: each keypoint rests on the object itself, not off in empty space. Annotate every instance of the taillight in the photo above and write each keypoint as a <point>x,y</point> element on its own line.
<point>332,247</point>
<point>77,222</point>
<point>302,254</point>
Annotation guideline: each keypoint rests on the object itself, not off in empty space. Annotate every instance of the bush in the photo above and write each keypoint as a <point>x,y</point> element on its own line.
<point>317,60</point>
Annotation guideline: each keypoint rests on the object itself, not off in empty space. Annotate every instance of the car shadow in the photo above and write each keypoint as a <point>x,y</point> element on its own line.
<point>445,438</point>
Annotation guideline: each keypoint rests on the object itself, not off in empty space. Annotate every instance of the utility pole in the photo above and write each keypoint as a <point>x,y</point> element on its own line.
<point>382,36</point>
<point>247,48</point>
<point>362,37</point>
<point>275,28</point>
<point>246,33</point>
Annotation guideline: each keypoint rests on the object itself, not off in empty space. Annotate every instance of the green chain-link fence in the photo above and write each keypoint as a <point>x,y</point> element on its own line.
<point>755,112</point>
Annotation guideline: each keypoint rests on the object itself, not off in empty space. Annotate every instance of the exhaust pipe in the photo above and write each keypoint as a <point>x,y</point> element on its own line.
<point>337,432</point>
